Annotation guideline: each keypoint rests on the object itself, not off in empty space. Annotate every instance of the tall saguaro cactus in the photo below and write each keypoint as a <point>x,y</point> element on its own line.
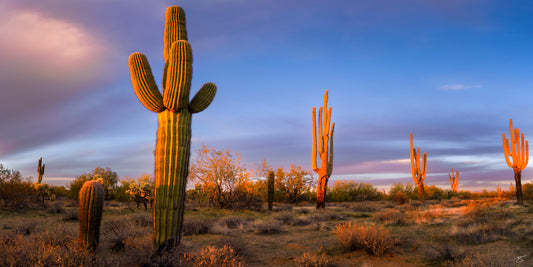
<point>175,111</point>
<point>40,170</point>
<point>520,156</point>
<point>418,169</point>
<point>325,135</point>
<point>91,204</point>
<point>454,180</point>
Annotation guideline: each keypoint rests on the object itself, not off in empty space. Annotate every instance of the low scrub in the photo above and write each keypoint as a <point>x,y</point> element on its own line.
<point>375,241</point>
<point>312,260</point>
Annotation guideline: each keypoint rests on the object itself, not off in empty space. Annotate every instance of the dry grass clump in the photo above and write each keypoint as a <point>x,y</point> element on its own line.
<point>56,208</point>
<point>375,241</point>
<point>323,216</point>
<point>476,213</point>
<point>196,226</point>
<point>312,260</point>
<point>392,216</point>
<point>433,215</point>
<point>213,256</point>
<point>268,227</point>
<point>239,245</point>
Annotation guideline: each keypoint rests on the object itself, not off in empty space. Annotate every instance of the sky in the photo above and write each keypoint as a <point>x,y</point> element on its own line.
<point>451,72</point>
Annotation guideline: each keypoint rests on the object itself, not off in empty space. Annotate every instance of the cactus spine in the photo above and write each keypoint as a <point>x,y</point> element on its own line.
<point>174,129</point>
<point>454,181</point>
<point>520,155</point>
<point>418,169</point>
<point>40,170</point>
<point>270,189</point>
<point>91,204</point>
<point>325,134</point>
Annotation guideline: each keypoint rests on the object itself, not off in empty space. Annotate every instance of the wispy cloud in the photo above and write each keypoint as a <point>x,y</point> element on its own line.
<point>458,86</point>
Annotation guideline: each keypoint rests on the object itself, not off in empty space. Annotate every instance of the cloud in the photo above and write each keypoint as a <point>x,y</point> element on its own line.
<point>458,87</point>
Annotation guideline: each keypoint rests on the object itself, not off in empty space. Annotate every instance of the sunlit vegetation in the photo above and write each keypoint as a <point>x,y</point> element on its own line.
<point>361,224</point>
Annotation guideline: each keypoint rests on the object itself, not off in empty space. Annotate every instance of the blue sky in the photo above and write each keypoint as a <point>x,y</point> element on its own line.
<point>451,72</point>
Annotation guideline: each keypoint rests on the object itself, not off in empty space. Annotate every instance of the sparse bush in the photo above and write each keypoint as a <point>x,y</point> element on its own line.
<point>239,245</point>
<point>71,215</point>
<point>368,237</point>
<point>268,227</point>
<point>363,207</point>
<point>481,233</point>
<point>232,222</point>
<point>196,226</point>
<point>312,260</point>
<point>26,228</point>
<point>56,208</point>
<point>392,216</point>
<point>289,219</point>
<point>213,256</point>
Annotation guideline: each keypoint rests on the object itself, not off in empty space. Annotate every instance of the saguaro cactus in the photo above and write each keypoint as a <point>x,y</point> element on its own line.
<point>418,169</point>
<point>40,170</point>
<point>520,155</point>
<point>91,204</point>
<point>325,134</point>
<point>454,180</point>
<point>270,189</point>
<point>174,110</point>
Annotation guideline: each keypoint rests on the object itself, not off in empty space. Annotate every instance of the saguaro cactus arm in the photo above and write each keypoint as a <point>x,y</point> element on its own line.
<point>517,152</point>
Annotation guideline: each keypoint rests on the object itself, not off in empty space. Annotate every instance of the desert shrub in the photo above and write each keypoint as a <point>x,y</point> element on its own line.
<point>475,213</point>
<point>196,226</point>
<point>143,220</point>
<point>392,216</point>
<point>289,219</point>
<point>408,191</point>
<point>349,191</point>
<point>481,233</point>
<point>213,256</point>
<point>239,245</point>
<point>363,207</point>
<point>445,253</point>
<point>284,207</point>
<point>117,231</point>
<point>375,241</point>
<point>232,222</point>
<point>26,228</point>
<point>56,208</point>
<point>71,215</point>
<point>15,192</point>
<point>268,227</point>
<point>322,216</point>
<point>312,260</point>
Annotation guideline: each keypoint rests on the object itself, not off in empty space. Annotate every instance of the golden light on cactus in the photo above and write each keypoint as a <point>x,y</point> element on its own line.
<point>518,151</point>
<point>325,135</point>
<point>418,168</point>
<point>454,180</point>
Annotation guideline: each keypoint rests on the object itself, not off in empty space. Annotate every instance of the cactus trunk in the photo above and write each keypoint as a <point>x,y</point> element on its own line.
<point>518,181</point>
<point>91,204</point>
<point>270,189</point>
<point>172,169</point>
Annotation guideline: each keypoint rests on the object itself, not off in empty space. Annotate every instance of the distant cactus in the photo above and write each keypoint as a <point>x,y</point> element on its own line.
<point>175,111</point>
<point>418,169</point>
<point>270,189</point>
<point>43,190</point>
<point>454,181</point>
<point>520,155</point>
<point>40,170</point>
<point>92,197</point>
<point>325,135</point>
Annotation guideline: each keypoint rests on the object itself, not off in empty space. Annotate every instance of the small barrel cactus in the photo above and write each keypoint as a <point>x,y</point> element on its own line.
<point>92,197</point>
